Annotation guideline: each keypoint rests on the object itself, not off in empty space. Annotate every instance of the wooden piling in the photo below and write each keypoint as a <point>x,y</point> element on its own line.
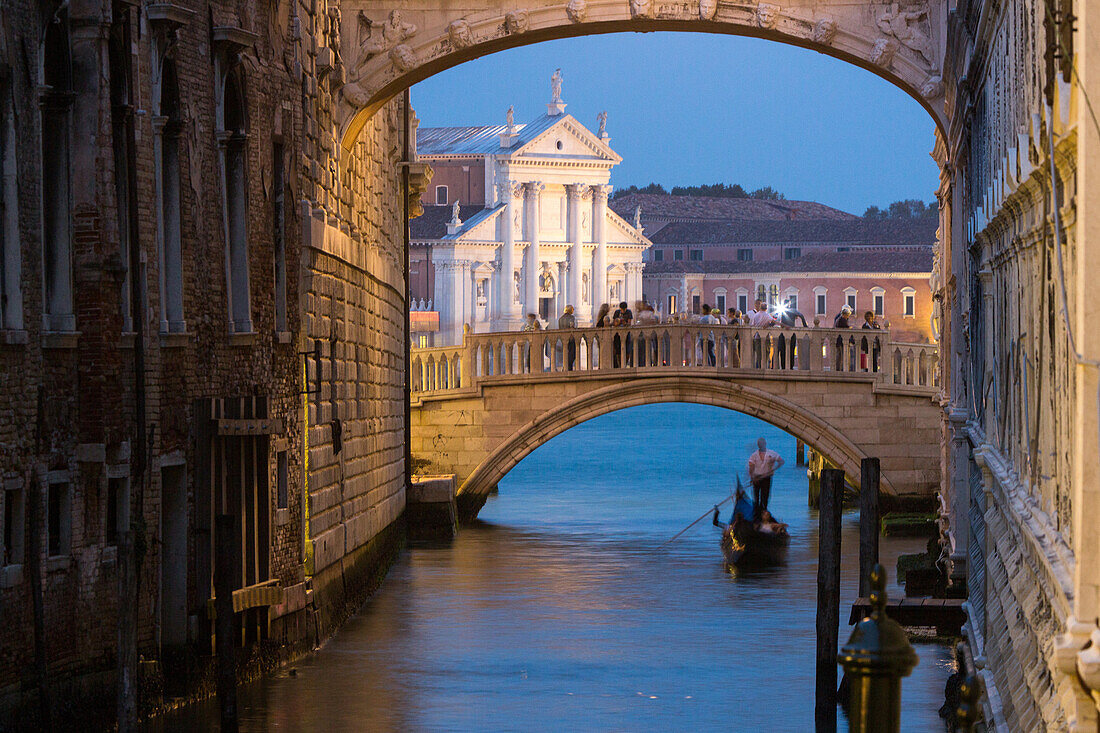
<point>225,571</point>
<point>828,598</point>
<point>799,452</point>
<point>868,522</point>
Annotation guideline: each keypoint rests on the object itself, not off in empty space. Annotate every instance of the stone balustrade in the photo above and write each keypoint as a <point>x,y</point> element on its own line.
<point>730,351</point>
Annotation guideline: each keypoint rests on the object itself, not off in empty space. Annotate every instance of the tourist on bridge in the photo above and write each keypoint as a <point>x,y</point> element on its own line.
<point>870,323</point>
<point>603,317</point>
<point>763,464</point>
<point>759,317</point>
<point>787,316</point>
<point>623,317</point>
<point>841,320</point>
<point>568,320</point>
<point>708,319</point>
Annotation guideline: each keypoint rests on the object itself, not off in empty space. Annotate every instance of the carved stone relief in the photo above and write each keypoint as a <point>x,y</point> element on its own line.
<point>882,52</point>
<point>459,34</point>
<point>766,15</point>
<point>516,22</point>
<point>577,10</point>
<point>641,8</point>
<point>403,57</point>
<point>394,31</point>
<point>905,27</point>
<point>932,87</point>
<point>708,9</point>
<point>824,31</point>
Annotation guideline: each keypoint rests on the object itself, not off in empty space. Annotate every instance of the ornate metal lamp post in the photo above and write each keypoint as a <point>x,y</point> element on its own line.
<point>878,654</point>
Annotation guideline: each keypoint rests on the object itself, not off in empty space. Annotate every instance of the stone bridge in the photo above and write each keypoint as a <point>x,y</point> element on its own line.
<point>478,409</point>
<point>383,50</point>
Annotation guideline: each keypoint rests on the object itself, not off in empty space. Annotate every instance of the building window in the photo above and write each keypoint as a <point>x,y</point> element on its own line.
<point>792,301</point>
<point>773,295</point>
<point>114,523</point>
<point>169,181</point>
<point>58,519</point>
<point>12,551</point>
<point>744,254</point>
<point>118,52</point>
<point>850,298</point>
<point>790,253</point>
<point>658,255</point>
<point>678,254</point>
<point>234,136</point>
<point>55,105</point>
<point>422,341</point>
<point>843,249</point>
<point>672,305</point>
<point>282,480</point>
<point>279,236</point>
<point>696,255</point>
<point>821,306</point>
<point>11,259</point>
<point>909,299</point>
<point>720,302</point>
<point>878,300</point>
<point>742,302</point>
<point>441,195</point>
<point>696,304</point>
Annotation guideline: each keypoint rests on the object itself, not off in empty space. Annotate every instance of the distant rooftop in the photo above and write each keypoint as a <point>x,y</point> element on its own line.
<point>669,207</point>
<point>432,224</point>
<point>916,260</point>
<point>481,140</point>
<point>855,232</point>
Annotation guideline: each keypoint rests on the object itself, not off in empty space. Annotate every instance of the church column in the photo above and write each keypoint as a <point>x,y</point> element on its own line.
<point>599,232</point>
<point>533,198</point>
<point>575,193</point>
<point>509,314</point>
<point>460,279</point>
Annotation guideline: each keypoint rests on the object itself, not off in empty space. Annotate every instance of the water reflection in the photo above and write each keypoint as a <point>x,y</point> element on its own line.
<point>560,611</point>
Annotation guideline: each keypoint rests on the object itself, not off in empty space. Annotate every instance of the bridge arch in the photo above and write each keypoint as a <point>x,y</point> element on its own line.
<point>773,409</point>
<point>388,50</point>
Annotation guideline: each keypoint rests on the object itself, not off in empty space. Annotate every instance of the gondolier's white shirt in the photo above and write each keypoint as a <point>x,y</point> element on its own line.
<point>762,463</point>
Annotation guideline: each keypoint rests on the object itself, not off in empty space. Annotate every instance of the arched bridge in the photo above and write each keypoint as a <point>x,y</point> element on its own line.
<point>478,409</point>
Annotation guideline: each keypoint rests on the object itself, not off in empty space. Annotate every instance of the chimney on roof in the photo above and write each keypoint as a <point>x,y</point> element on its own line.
<point>556,106</point>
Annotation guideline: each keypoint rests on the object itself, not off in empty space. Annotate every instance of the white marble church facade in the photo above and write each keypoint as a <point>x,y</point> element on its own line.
<point>542,238</point>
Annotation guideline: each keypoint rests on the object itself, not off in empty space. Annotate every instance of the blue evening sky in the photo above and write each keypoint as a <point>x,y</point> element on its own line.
<point>690,108</point>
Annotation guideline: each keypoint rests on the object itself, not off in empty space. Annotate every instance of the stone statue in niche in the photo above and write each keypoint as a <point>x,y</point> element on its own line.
<point>516,21</point>
<point>584,221</point>
<point>905,27</point>
<point>555,87</point>
<point>601,119</point>
<point>460,34</point>
<point>641,8</point>
<point>824,31</point>
<point>394,31</point>
<point>515,286</point>
<point>577,10</point>
<point>584,288</point>
<point>707,9</point>
<point>767,15</point>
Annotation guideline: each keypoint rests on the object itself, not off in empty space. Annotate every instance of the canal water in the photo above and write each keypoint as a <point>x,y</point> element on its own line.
<point>563,610</point>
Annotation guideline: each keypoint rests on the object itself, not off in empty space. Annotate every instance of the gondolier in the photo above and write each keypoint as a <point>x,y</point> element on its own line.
<point>763,464</point>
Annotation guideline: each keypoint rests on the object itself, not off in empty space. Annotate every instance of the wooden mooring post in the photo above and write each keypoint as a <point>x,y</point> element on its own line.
<point>227,547</point>
<point>799,452</point>
<point>868,522</point>
<point>828,598</point>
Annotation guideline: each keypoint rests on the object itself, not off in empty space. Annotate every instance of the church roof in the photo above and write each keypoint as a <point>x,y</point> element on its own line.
<point>857,231</point>
<point>480,140</point>
<point>432,224</point>
<point>915,260</point>
<point>669,207</point>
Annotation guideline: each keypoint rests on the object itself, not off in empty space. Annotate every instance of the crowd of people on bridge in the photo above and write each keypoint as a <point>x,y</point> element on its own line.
<point>760,316</point>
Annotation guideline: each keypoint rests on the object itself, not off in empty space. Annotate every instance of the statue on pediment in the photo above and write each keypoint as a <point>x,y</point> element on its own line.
<point>555,87</point>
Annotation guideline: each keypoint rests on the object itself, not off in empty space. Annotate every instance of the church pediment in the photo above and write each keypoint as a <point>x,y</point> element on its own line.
<point>481,227</point>
<point>567,138</point>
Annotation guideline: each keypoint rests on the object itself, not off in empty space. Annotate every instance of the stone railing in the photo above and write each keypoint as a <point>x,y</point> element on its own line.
<point>779,352</point>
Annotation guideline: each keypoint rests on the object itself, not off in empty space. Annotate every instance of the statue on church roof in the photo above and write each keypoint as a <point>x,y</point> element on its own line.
<point>638,217</point>
<point>601,118</point>
<point>555,86</point>
<point>454,214</point>
<point>510,116</point>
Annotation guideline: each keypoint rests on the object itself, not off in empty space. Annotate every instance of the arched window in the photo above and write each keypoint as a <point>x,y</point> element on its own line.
<point>234,139</point>
<point>168,179</point>
<point>55,106</point>
<point>118,47</point>
<point>11,258</point>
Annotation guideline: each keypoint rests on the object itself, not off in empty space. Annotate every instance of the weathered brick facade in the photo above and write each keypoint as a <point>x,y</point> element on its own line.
<point>67,398</point>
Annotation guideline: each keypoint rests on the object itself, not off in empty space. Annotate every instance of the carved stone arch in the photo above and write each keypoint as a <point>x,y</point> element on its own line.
<point>387,55</point>
<point>778,411</point>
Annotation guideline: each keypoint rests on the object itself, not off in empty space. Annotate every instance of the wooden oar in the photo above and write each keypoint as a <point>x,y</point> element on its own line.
<point>706,514</point>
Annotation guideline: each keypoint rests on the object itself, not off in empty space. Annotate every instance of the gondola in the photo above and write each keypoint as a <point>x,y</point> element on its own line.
<point>745,546</point>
